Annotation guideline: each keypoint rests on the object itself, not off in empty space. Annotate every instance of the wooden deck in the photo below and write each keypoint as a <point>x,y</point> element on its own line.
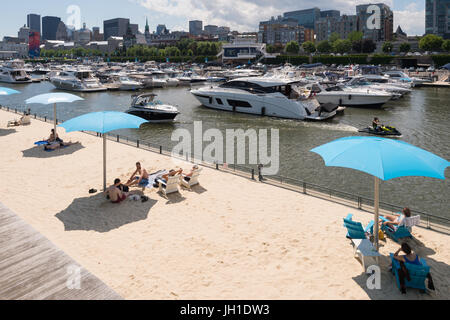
<point>33,268</point>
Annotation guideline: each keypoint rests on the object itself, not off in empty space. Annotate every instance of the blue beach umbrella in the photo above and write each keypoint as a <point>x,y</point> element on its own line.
<point>7,91</point>
<point>103,122</point>
<point>385,159</point>
<point>53,98</point>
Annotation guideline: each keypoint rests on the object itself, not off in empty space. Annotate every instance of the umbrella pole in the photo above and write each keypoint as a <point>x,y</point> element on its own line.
<point>104,162</point>
<point>54,117</point>
<point>377,212</point>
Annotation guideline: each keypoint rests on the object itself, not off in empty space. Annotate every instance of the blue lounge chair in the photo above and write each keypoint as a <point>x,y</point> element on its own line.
<point>395,234</point>
<point>355,229</point>
<point>418,274</point>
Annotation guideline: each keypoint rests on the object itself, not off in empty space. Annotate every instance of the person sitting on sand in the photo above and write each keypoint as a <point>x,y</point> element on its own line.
<point>53,137</point>
<point>115,193</point>
<point>410,258</point>
<point>396,221</point>
<point>188,176</point>
<point>142,180</point>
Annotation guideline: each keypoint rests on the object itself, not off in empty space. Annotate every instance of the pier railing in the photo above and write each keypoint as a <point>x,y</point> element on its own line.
<point>428,220</point>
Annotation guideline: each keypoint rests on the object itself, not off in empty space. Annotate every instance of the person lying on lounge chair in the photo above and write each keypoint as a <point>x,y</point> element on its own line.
<point>115,193</point>
<point>410,258</point>
<point>23,121</point>
<point>142,180</point>
<point>165,178</point>
<point>396,221</point>
<point>188,176</point>
<point>58,145</point>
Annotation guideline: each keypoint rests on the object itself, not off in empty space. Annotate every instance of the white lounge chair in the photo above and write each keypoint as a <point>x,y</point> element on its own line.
<point>193,181</point>
<point>170,187</point>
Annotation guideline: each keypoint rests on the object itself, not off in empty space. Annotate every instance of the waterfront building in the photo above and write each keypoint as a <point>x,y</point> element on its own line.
<point>280,31</point>
<point>437,18</point>
<point>24,34</point>
<point>381,33</point>
<point>211,30</point>
<point>34,22</point>
<point>161,29</point>
<point>342,25</point>
<point>10,50</point>
<point>115,27</point>
<point>195,27</point>
<point>50,27</point>
<point>82,36</point>
<point>306,18</point>
<point>61,32</point>
<point>242,48</point>
<point>96,35</point>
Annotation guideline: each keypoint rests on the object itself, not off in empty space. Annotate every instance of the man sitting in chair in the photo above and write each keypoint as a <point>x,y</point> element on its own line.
<point>188,176</point>
<point>165,178</point>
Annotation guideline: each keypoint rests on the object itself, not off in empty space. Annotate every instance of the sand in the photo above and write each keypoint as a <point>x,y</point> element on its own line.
<point>230,238</point>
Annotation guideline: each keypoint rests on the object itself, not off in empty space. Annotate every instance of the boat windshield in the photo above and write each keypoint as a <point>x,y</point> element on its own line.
<point>256,88</point>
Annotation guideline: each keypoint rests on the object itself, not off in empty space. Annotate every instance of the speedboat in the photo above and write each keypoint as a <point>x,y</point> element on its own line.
<point>349,97</point>
<point>403,77</point>
<point>378,83</point>
<point>123,83</point>
<point>145,106</point>
<point>14,72</point>
<point>385,131</point>
<point>80,80</point>
<point>271,97</point>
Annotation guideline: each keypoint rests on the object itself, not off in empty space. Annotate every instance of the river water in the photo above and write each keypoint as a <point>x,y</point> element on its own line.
<point>423,117</point>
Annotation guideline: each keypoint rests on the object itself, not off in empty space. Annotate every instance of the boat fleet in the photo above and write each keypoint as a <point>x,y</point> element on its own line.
<point>301,93</point>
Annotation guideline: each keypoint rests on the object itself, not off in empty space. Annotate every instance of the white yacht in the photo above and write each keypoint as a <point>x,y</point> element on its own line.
<point>350,97</point>
<point>14,72</point>
<point>377,83</point>
<point>123,83</point>
<point>400,76</point>
<point>265,97</point>
<point>80,80</point>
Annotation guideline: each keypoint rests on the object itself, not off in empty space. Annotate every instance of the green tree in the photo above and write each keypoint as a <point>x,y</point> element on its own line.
<point>387,47</point>
<point>368,46</point>
<point>334,37</point>
<point>270,48</point>
<point>355,36</point>
<point>446,45</point>
<point>405,47</point>
<point>309,47</point>
<point>324,46</point>
<point>342,46</point>
<point>292,47</point>
<point>431,42</point>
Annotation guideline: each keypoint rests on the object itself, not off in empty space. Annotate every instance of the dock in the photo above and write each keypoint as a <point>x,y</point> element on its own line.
<point>437,84</point>
<point>33,268</point>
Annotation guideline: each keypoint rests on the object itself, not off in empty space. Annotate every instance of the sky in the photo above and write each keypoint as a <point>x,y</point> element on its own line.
<point>241,15</point>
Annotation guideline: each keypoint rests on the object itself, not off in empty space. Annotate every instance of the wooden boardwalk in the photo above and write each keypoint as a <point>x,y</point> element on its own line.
<point>33,268</point>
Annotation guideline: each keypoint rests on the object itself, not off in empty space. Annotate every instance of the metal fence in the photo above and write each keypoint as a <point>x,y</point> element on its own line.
<point>429,221</point>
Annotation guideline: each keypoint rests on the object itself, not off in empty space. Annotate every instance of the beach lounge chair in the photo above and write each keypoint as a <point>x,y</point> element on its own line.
<point>24,121</point>
<point>355,230</point>
<point>403,231</point>
<point>170,187</point>
<point>418,274</point>
<point>193,181</point>
<point>363,248</point>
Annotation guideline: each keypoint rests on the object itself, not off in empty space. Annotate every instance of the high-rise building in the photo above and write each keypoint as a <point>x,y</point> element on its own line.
<point>367,23</point>
<point>115,27</point>
<point>437,18</point>
<point>96,35</point>
<point>61,32</point>
<point>280,31</point>
<point>50,27</point>
<point>211,30</point>
<point>306,18</point>
<point>34,22</point>
<point>195,27</point>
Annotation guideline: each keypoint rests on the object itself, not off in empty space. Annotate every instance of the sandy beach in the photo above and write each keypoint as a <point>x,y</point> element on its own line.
<point>230,238</point>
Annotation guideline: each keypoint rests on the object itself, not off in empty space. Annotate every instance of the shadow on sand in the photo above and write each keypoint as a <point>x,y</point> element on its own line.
<point>95,213</point>
<point>39,152</point>
<point>197,189</point>
<point>389,290</point>
<point>6,132</point>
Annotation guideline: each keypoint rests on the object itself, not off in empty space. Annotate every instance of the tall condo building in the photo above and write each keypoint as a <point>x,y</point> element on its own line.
<point>34,22</point>
<point>376,21</point>
<point>50,27</point>
<point>115,27</point>
<point>195,27</point>
<point>437,18</point>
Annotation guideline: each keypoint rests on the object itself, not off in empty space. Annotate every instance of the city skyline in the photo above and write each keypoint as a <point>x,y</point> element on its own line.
<point>410,15</point>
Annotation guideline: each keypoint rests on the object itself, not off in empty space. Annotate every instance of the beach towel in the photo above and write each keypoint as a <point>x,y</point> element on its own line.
<point>152,178</point>
<point>41,143</point>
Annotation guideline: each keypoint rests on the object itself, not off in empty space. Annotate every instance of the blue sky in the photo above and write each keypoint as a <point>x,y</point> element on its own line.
<point>242,15</point>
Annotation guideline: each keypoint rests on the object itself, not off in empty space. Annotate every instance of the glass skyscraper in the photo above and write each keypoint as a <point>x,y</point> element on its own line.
<point>437,18</point>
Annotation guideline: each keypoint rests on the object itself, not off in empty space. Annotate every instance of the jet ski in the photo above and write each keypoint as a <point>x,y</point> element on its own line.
<point>385,131</point>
